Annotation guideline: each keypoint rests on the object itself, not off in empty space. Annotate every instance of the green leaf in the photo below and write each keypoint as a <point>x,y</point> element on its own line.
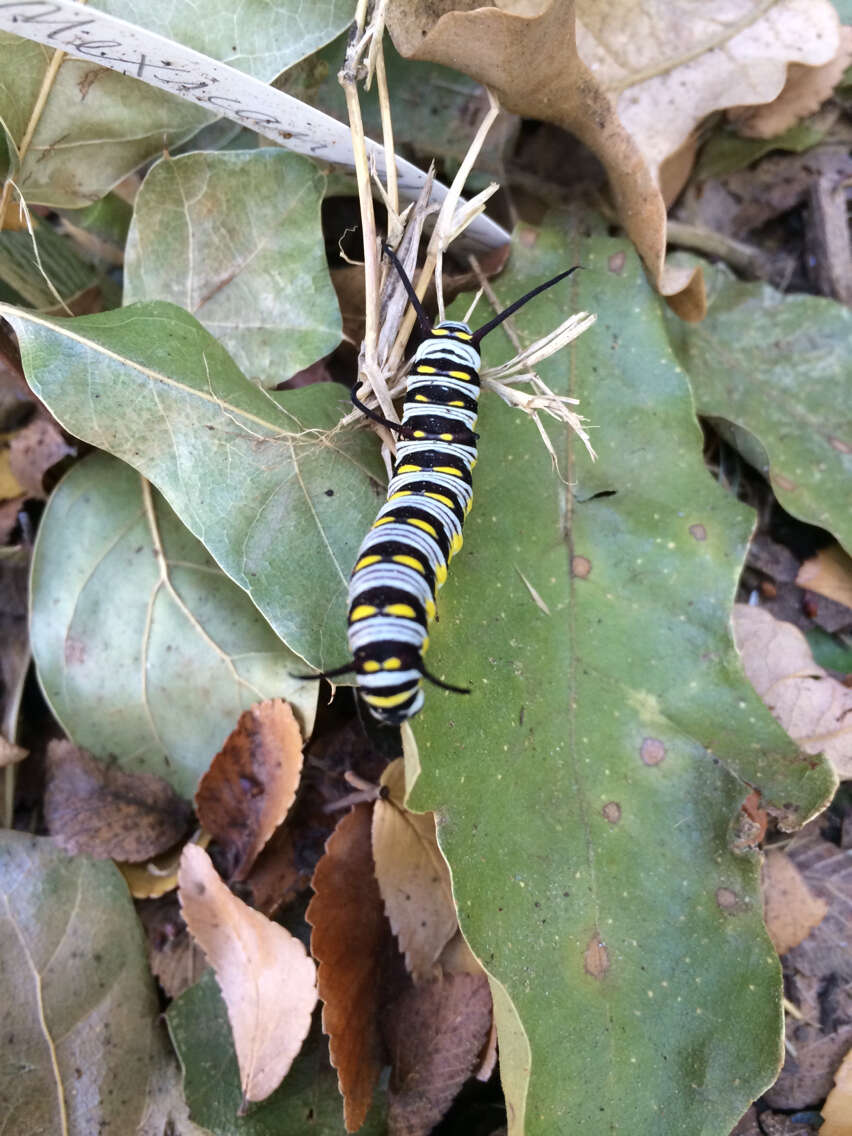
<point>778,366</point>
<point>307,1100</point>
<point>725,151</point>
<point>587,788</point>
<point>58,263</point>
<point>79,1011</point>
<point>130,121</point>
<point>235,238</point>
<point>278,500</point>
<point>144,649</point>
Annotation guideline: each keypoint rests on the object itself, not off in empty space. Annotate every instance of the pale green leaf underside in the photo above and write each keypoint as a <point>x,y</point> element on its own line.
<point>97,125</point>
<point>147,659</point>
<point>780,367</point>
<point>235,238</point>
<point>278,500</point>
<point>586,788</point>
<point>79,1010</point>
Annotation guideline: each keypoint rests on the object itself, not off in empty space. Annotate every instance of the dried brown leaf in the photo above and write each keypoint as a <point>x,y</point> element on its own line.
<point>176,960</point>
<point>349,938</point>
<point>249,788</point>
<point>413,877</point>
<point>814,708</point>
<point>11,754</point>
<point>829,573</point>
<point>266,977</point>
<point>34,449</point>
<point>790,908</point>
<point>837,1110</point>
<point>532,65</point>
<point>98,809</point>
<point>435,1032</point>
<point>804,92</point>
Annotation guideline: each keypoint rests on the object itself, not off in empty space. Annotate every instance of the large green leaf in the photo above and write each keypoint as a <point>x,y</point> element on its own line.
<point>97,125</point>
<point>588,786</point>
<point>146,657</point>
<point>79,1013</point>
<point>307,1100</point>
<point>235,238</point>
<point>780,367</point>
<point>278,501</point>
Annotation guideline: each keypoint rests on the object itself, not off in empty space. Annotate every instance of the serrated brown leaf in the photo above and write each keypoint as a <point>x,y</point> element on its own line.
<point>790,908</point>
<point>96,808</point>
<point>349,938</point>
<point>251,784</point>
<point>435,1033</point>
<point>413,877</point>
<point>814,708</point>
<point>266,977</point>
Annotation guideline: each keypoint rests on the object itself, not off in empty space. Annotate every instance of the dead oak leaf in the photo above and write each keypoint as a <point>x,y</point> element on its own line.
<point>97,808</point>
<point>435,1033</point>
<point>348,939</point>
<point>267,980</point>
<point>251,784</point>
<point>34,449</point>
<point>413,876</point>
<point>814,708</point>
<point>790,908</point>
<point>828,573</point>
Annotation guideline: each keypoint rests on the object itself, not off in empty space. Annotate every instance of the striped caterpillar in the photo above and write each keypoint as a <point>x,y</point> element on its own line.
<point>403,559</point>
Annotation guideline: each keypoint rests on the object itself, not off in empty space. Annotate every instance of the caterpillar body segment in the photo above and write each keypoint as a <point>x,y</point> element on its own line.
<point>403,560</point>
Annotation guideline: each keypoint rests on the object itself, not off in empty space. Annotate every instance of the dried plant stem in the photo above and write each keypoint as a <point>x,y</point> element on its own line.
<point>387,129</point>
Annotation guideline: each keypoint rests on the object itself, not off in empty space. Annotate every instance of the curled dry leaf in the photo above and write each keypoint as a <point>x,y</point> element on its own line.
<point>790,908</point>
<point>98,809</point>
<point>632,84</point>
<point>413,877</point>
<point>266,978</point>
<point>34,449</point>
<point>176,960</point>
<point>829,573</point>
<point>252,782</point>
<point>814,708</point>
<point>805,90</point>
<point>349,938</point>
<point>435,1033</point>
<point>837,1110</point>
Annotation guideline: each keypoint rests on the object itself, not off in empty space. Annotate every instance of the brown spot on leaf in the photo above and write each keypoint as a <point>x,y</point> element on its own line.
<point>839,444</point>
<point>726,898</point>
<point>698,532</point>
<point>612,812</point>
<point>783,482</point>
<point>596,957</point>
<point>581,566</point>
<point>652,751</point>
<point>616,262</point>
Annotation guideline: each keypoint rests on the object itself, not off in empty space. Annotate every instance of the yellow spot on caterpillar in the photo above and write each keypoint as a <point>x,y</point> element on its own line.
<point>440,573</point>
<point>424,369</point>
<point>422,525</point>
<point>409,562</point>
<point>386,701</point>
<point>431,610</point>
<point>469,505</point>
<point>392,664</point>
<point>456,402</point>
<point>366,561</point>
<point>400,493</point>
<point>419,433</point>
<point>446,437</point>
<point>465,376</point>
<point>441,331</point>
<point>448,469</point>
<point>409,469</point>
<point>424,646</point>
<point>383,521</point>
<point>404,611</point>
<point>423,398</point>
<point>371,666</point>
<point>463,335</point>
<point>361,612</point>
<point>457,542</point>
<point>440,497</point>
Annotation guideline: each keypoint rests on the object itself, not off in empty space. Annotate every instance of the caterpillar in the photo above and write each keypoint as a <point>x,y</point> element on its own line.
<point>403,559</point>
